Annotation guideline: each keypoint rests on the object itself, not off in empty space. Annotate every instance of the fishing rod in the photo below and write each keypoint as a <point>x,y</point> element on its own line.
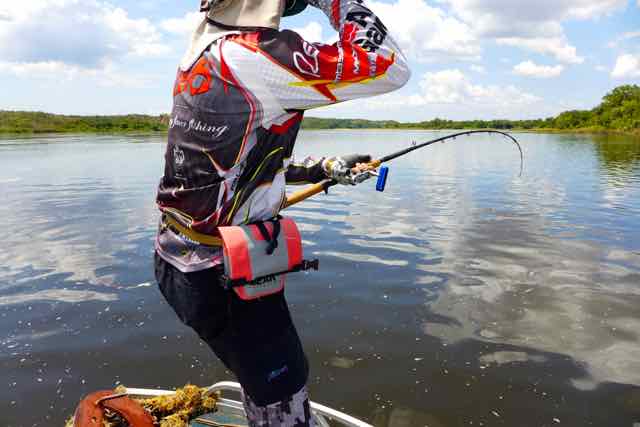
<point>366,172</point>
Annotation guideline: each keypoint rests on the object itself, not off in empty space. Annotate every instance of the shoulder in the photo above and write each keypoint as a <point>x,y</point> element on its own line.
<point>268,39</point>
<point>280,46</point>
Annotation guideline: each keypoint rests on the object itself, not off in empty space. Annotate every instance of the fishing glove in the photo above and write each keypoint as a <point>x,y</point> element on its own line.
<point>339,168</point>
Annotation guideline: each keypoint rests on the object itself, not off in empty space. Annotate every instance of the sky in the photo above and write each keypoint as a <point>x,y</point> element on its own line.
<point>470,59</point>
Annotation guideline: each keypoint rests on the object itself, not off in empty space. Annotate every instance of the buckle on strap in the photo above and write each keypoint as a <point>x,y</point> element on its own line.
<point>310,265</point>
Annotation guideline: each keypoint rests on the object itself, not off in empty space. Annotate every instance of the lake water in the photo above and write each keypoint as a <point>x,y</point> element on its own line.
<point>463,295</point>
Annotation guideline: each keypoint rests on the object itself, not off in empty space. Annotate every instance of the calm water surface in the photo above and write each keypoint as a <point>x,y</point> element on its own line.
<point>463,295</point>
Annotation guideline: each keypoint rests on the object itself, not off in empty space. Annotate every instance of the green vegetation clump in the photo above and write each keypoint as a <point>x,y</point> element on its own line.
<point>619,111</point>
<point>35,122</point>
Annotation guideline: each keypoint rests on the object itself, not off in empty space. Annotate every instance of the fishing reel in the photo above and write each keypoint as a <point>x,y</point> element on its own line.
<point>381,174</point>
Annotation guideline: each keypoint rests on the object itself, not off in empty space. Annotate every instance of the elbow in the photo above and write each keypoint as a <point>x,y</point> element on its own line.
<point>398,76</point>
<point>404,75</point>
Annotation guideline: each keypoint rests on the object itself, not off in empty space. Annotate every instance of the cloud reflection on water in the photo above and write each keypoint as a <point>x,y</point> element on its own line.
<point>512,280</point>
<point>57,295</point>
<point>77,209</point>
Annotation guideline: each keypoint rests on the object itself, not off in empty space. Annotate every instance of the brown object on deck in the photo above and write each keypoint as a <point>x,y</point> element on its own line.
<point>90,411</point>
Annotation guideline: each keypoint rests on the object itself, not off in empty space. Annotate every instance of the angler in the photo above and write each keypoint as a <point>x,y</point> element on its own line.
<point>248,85</point>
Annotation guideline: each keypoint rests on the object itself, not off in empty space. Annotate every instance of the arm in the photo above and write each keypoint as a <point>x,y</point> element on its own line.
<point>299,75</point>
<point>365,61</point>
<point>308,172</point>
<point>336,168</point>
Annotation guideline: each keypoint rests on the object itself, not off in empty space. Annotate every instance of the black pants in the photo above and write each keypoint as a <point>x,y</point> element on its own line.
<point>256,340</point>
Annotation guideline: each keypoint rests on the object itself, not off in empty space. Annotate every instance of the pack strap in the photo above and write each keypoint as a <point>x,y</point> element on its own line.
<point>205,239</point>
<point>273,239</point>
<point>305,265</point>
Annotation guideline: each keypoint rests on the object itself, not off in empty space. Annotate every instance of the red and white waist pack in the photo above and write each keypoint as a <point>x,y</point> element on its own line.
<point>258,256</point>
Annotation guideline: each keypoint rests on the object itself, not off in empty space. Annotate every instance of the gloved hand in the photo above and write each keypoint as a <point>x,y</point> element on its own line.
<point>339,168</point>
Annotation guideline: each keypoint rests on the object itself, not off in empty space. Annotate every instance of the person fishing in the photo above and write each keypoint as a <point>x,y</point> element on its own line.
<point>239,98</point>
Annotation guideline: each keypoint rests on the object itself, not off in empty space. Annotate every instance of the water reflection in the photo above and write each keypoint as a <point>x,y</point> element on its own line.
<point>618,154</point>
<point>70,203</point>
<point>509,282</point>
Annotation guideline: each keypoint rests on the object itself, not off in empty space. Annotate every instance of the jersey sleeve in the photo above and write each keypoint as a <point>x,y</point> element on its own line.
<point>307,172</point>
<point>365,61</point>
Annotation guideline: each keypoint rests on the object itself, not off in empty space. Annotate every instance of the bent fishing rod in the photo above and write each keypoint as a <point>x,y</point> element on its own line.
<point>364,173</point>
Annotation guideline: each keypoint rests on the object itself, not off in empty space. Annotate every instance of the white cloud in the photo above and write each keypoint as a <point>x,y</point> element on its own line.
<point>505,17</point>
<point>558,47</point>
<point>627,66</point>
<point>630,35</point>
<point>42,69</point>
<point>427,33</point>
<point>590,9</point>
<point>623,37</point>
<point>312,32</point>
<point>531,69</point>
<point>86,33</point>
<point>107,76</point>
<point>534,26</point>
<point>453,87</point>
<point>447,93</point>
<point>478,69</point>
<point>183,26</point>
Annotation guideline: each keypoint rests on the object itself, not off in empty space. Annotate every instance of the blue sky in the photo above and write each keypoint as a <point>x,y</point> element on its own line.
<point>470,58</point>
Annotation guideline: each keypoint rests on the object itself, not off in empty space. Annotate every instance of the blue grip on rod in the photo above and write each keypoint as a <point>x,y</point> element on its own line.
<point>382,178</point>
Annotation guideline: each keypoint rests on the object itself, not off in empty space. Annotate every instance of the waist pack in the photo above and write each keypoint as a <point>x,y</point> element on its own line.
<point>258,256</point>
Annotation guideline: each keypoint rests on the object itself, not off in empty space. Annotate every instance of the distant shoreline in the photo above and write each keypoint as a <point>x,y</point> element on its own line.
<point>578,131</point>
<point>619,113</point>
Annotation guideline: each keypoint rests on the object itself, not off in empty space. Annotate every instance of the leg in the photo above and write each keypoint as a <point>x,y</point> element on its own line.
<point>263,349</point>
<point>196,299</point>
<point>256,340</point>
<point>292,411</point>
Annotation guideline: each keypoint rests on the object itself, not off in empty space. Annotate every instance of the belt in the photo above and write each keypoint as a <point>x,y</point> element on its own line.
<point>176,227</point>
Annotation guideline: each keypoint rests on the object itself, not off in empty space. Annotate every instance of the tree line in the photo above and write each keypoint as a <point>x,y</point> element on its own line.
<point>619,111</point>
<point>36,122</point>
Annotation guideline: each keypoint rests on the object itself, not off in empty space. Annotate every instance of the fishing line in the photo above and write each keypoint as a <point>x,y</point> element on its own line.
<point>452,137</point>
<point>370,168</point>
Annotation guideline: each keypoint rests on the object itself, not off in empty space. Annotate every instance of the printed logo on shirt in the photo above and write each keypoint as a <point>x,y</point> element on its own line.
<point>178,161</point>
<point>195,81</point>
<point>178,156</point>
<point>216,131</point>
<point>376,31</point>
<point>307,63</point>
